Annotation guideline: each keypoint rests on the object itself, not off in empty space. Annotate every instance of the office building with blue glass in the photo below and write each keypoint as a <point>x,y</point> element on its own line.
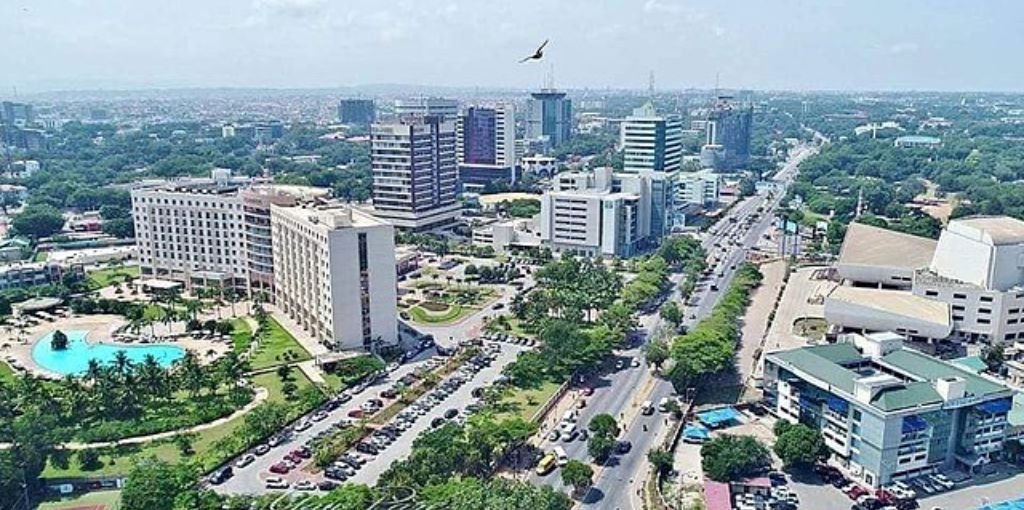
<point>887,412</point>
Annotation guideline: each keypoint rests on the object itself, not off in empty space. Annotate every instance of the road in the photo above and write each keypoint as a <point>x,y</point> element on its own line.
<point>249,480</point>
<point>617,484</point>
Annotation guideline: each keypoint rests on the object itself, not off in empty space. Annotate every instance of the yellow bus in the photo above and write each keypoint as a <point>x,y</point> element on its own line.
<point>546,464</point>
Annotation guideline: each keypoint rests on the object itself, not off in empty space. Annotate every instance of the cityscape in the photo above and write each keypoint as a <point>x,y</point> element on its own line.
<point>506,288</point>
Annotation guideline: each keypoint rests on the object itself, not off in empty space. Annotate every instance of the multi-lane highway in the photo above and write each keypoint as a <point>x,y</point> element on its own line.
<point>617,484</point>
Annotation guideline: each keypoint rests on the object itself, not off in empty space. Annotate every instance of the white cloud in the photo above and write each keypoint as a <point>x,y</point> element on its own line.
<point>662,6</point>
<point>265,11</point>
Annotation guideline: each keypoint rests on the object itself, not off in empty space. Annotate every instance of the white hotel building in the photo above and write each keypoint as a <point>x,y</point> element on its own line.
<point>334,274</point>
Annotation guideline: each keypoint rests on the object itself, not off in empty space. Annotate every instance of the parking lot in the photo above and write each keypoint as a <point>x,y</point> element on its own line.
<point>286,461</point>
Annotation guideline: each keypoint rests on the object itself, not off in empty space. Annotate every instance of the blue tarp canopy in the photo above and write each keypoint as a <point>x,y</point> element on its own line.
<point>914,423</point>
<point>696,431</point>
<point>1001,406</point>
<point>717,417</point>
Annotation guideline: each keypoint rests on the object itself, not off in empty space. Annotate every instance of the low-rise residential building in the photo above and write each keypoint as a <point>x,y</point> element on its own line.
<point>334,275</point>
<point>886,412</point>
<point>699,188</point>
<point>20,275</point>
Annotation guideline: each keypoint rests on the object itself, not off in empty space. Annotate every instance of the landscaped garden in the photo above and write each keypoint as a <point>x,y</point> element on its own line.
<point>439,303</point>
<point>813,328</point>
<point>276,346</point>
<point>111,276</point>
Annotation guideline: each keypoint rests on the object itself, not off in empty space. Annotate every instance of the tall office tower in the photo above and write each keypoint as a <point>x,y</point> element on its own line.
<point>334,274</point>
<point>447,109</point>
<point>357,111</point>
<point>16,114</point>
<point>728,135</point>
<point>486,136</point>
<point>549,116</point>
<point>651,142</point>
<point>414,172</point>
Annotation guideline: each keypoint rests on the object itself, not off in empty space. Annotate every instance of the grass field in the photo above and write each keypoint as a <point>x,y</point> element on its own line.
<point>109,499</point>
<point>6,372</point>
<point>109,276</point>
<point>241,337</point>
<point>118,463</point>
<point>275,344</point>
<point>452,314</point>
<point>524,403</point>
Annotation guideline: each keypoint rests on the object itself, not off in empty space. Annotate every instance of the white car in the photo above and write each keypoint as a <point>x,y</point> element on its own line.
<point>245,460</point>
<point>275,482</point>
<point>304,485</point>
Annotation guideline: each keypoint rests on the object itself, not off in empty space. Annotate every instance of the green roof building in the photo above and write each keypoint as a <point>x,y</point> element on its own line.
<point>890,413</point>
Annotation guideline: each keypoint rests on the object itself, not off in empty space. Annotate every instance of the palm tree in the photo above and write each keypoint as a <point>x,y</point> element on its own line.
<point>152,377</point>
<point>121,363</point>
<point>191,375</point>
<point>94,371</point>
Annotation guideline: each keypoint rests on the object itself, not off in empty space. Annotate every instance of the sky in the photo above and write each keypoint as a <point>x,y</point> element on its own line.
<point>968,45</point>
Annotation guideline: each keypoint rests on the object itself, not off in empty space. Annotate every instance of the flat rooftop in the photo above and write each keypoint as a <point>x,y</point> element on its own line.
<point>895,302</point>
<point>873,246</point>
<point>999,229</point>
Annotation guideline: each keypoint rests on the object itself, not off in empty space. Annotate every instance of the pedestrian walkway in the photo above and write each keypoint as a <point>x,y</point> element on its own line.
<point>312,345</point>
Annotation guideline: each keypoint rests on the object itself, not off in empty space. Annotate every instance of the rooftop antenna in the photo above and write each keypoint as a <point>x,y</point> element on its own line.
<point>650,84</point>
<point>550,84</point>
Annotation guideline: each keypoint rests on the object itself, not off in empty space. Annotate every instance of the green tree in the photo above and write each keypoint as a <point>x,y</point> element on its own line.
<point>59,341</point>
<point>38,221</point>
<point>89,459</point>
<point>797,444</point>
<point>577,475</point>
<point>670,312</point>
<point>154,484</point>
<point>662,460</point>
<point>728,458</point>
<point>993,356</point>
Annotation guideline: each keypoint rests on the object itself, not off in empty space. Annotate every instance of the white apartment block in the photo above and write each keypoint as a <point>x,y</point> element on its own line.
<point>415,176</point>
<point>651,142</point>
<point>699,188</point>
<point>334,274</point>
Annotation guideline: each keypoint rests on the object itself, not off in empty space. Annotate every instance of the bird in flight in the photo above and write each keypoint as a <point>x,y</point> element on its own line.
<point>537,55</point>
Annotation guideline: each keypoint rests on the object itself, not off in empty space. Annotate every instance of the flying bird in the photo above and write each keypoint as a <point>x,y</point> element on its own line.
<point>537,55</point>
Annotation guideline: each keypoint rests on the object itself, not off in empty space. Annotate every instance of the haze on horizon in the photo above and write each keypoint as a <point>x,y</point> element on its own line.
<point>787,44</point>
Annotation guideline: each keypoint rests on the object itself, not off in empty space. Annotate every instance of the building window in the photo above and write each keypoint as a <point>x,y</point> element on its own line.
<point>984,321</point>
<point>931,293</point>
<point>856,415</point>
<point>985,310</point>
<point>959,296</point>
<point>985,299</point>
<point>958,317</point>
<point>958,308</point>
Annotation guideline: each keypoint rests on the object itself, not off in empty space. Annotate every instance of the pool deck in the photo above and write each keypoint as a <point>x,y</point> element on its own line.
<point>100,328</point>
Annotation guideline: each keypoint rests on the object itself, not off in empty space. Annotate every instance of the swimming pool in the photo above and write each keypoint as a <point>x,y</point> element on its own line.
<point>75,359</point>
<point>1017,504</point>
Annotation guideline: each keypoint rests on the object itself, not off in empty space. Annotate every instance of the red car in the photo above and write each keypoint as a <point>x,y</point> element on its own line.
<point>855,492</point>
<point>302,453</point>
<point>886,497</point>
<point>356,413</point>
<point>280,468</point>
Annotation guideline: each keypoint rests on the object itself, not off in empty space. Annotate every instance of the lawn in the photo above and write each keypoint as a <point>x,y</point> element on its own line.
<point>6,372</point>
<point>515,327</point>
<point>118,463</point>
<point>109,499</point>
<point>524,403</point>
<point>111,275</point>
<point>810,327</point>
<point>241,337</point>
<point>274,346</point>
<point>452,314</point>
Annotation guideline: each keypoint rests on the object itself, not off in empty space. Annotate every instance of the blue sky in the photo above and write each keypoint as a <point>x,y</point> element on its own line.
<point>778,44</point>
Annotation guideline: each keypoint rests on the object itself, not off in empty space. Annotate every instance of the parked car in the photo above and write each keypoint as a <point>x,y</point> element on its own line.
<point>245,460</point>
<point>304,485</point>
<point>437,422</point>
<point>327,486</point>
<point>280,468</point>
<point>356,413</point>
<point>623,447</point>
<point>261,449</point>
<point>275,482</point>
<point>451,413</point>
<point>221,475</point>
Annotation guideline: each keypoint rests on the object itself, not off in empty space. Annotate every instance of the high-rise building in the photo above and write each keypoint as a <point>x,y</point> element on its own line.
<point>447,109</point>
<point>16,114</point>
<point>727,145</point>
<point>486,135</point>
<point>360,112</point>
<point>415,177</point>
<point>651,142</point>
<point>549,116</point>
<point>210,232</point>
<point>334,275</point>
